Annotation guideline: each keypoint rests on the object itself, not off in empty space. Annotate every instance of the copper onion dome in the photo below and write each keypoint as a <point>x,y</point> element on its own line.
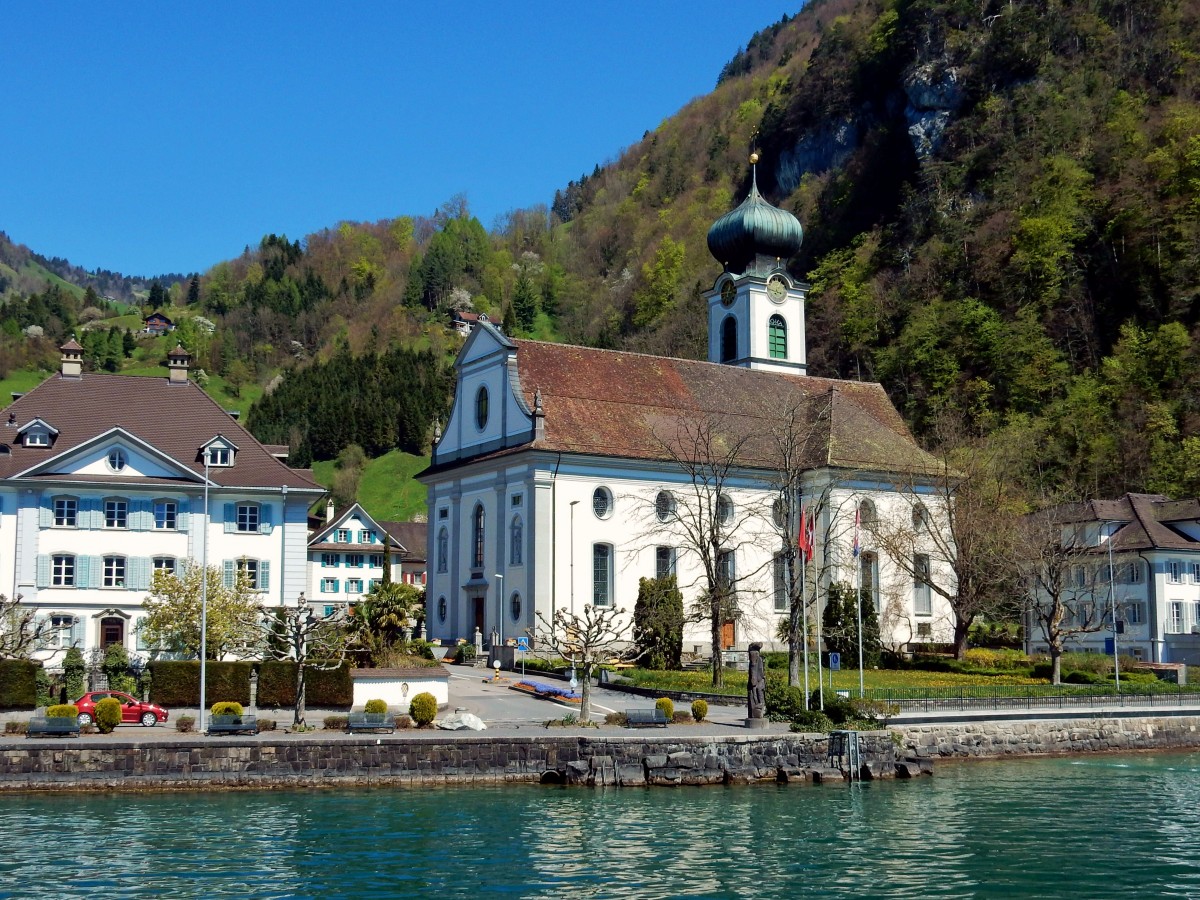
<point>754,231</point>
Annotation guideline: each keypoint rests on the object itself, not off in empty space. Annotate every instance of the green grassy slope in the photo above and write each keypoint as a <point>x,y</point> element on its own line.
<point>387,490</point>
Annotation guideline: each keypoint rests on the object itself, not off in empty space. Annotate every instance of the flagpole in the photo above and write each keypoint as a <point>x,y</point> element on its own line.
<point>812,537</point>
<point>804,625</point>
<point>858,603</point>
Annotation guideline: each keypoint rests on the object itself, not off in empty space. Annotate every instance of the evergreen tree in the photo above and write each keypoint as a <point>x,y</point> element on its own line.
<point>524,304</point>
<point>193,294</point>
<point>658,623</point>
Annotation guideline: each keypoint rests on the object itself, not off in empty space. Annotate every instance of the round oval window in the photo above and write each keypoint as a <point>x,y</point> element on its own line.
<point>116,459</point>
<point>481,407</point>
<point>664,505</point>
<point>601,503</point>
<point>516,607</point>
<point>441,609</point>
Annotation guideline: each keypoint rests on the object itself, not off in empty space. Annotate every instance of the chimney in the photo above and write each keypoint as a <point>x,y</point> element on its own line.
<point>177,365</point>
<point>328,510</point>
<point>72,359</point>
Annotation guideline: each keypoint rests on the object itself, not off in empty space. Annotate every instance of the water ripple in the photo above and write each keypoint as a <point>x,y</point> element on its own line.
<point>1086,828</point>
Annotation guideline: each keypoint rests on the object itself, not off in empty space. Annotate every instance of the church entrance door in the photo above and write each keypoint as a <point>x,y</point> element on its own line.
<point>479,616</point>
<point>727,641</point>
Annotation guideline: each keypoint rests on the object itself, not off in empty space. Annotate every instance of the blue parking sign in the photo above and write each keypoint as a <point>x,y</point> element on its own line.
<point>835,662</point>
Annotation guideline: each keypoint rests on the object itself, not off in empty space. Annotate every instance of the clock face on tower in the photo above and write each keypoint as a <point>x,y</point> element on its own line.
<point>776,288</point>
<point>728,292</point>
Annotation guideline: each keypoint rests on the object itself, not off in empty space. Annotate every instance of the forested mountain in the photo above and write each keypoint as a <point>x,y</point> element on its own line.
<point>1000,215</point>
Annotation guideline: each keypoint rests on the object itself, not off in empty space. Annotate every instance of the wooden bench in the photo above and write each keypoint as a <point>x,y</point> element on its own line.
<point>59,726</point>
<point>232,725</point>
<point>645,717</point>
<point>365,721</point>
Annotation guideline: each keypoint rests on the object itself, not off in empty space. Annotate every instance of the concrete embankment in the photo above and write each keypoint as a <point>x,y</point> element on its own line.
<point>262,761</point>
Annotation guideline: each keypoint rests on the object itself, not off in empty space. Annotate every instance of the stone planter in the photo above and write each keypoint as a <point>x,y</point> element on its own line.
<point>397,687</point>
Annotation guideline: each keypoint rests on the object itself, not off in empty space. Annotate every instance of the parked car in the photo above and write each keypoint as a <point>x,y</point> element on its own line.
<point>133,710</point>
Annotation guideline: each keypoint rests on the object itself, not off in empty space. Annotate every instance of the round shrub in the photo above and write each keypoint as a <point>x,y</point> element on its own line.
<point>336,723</point>
<point>227,708</point>
<point>668,708</point>
<point>376,706</point>
<point>63,711</point>
<point>108,714</point>
<point>465,653</point>
<point>812,721</point>
<point>423,708</point>
<point>184,724</point>
<point>262,725</point>
<point>699,710</point>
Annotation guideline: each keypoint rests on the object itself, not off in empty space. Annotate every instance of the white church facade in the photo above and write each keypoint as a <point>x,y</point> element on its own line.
<point>566,474</point>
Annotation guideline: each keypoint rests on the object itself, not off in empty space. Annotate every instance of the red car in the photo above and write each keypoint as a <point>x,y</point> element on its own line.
<point>132,709</point>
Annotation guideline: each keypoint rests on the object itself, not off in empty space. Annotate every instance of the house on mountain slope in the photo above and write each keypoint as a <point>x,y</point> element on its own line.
<point>566,474</point>
<point>348,552</point>
<point>106,478</point>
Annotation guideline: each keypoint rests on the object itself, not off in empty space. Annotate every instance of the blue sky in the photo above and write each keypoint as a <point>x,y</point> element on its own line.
<point>150,138</point>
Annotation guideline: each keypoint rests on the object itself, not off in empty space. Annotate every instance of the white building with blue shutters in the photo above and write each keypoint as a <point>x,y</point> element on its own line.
<point>106,478</point>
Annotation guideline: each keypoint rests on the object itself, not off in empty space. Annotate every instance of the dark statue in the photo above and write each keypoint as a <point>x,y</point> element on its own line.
<point>756,684</point>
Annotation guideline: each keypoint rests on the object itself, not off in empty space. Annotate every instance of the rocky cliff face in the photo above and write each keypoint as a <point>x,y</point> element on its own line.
<point>935,92</point>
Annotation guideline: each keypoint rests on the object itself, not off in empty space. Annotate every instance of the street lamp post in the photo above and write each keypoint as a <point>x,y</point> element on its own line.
<point>574,503</point>
<point>499,613</point>
<point>204,595</point>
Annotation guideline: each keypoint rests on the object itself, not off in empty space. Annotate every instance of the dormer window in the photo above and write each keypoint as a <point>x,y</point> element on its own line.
<point>116,459</point>
<point>219,453</point>
<point>36,433</point>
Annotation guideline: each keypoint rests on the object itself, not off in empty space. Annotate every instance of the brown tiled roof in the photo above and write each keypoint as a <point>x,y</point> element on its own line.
<point>1147,519</point>
<point>631,405</point>
<point>409,535</point>
<point>176,419</point>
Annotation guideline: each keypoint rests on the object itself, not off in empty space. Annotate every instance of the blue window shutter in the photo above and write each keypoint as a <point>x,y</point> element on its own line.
<point>265,525</point>
<point>43,570</point>
<point>182,515</point>
<point>77,632</point>
<point>137,573</point>
<point>94,517</point>
<point>264,575</point>
<point>141,515</point>
<point>230,575</point>
<point>230,518</point>
<point>46,513</point>
<point>84,573</point>
<point>139,630</point>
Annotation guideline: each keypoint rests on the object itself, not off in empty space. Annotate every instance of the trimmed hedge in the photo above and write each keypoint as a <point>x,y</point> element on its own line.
<point>227,708</point>
<point>324,688</point>
<point>177,682</point>
<point>18,683</point>
<point>62,711</point>
<point>108,714</point>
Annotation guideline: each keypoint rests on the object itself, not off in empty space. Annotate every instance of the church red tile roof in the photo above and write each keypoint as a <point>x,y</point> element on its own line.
<point>176,419</point>
<point>631,405</point>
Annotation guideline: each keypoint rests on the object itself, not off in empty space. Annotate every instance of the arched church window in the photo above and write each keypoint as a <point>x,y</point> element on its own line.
<point>729,339</point>
<point>477,536</point>
<point>777,337</point>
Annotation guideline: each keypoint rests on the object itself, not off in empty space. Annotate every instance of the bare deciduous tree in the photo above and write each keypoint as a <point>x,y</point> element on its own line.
<point>298,633</point>
<point>961,519</point>
<point>20,629</point>
<point>1067,585</point>
<point>597,636</point>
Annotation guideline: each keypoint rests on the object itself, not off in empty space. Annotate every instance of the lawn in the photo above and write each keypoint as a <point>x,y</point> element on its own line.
<point>387,490</point>
<point>874,680</point>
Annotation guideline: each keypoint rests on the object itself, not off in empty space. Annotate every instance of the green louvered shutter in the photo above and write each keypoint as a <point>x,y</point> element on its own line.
<point>264,575</point>
<point>229,578</point>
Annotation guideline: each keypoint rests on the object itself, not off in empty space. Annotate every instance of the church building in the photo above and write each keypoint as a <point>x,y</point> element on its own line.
<point>566,474</point>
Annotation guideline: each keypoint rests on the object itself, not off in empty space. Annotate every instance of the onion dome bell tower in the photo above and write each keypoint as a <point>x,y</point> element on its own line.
<point>755,308</point>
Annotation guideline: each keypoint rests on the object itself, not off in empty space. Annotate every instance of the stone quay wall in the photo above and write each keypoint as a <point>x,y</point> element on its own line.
<point>263,762</point>
<point>993,740</point>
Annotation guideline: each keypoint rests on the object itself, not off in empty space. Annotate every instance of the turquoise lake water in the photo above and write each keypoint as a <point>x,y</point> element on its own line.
<point>1088,827</point>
